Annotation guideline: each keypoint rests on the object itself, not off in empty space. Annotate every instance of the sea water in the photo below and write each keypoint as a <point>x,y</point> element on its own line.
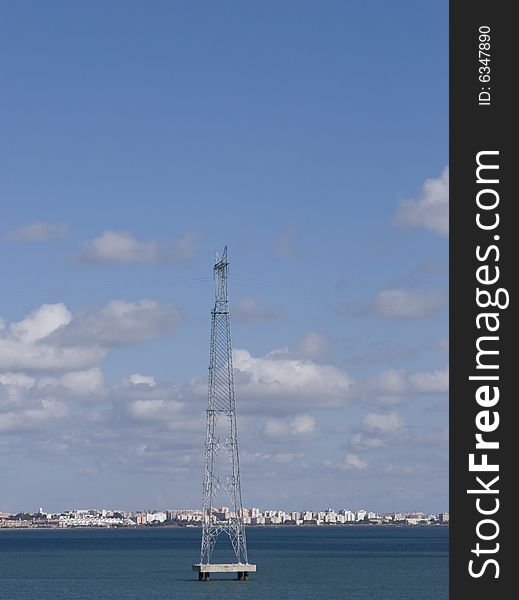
<point>358,562</point>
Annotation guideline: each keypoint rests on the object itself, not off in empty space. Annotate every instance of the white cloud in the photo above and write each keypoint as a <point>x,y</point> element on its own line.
<point>16,355</point>
<point>394,385</point>
<point>361,441</point>
<point>36,232</point>
<point>353,462</point>
<point>154,410</point>
<point>431,209</point>
<point>392,382</point>
<point>402,470</point>
<point>137,379</point>
<point>140,398</point>
<point>50,338</point>
<point>81,383</point>
<point>276,457</point>
<point>251,310</point>
<point>140,408</point>
<point>279,384</point>
<point>406,304</point>
<point>84,382</point>
<point>430,382</point>
<point>121,247</point>
<point>17,380</point>
<point>377,430</point>
<point>13,388</point>
<point>383,423</point>
<point>314,344</point>
<point>25,345</point>
<point>41,322</point>
<point>48,381</point>
<point>118,247</point>
<point>298,426</point>
<point>386,388</point>
<point>120,323</point>
<point>37,417</point>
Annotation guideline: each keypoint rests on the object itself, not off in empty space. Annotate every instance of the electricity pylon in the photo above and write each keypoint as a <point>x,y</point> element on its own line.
<point>222,469</point>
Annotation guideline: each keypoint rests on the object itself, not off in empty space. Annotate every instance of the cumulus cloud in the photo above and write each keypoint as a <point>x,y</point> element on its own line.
<point>120,323</point>
<point>153,410</point>
<point>118,247</point>
<point>431,209</point>
<point>392,382</point>
<point>353,462</point>
<point>36,232</point>
<point>314,345</point>
<point>377,429</point>
<point>350,462</point>
<point>50,338</point>
<point>361,441</point>
<point>82,383</point>
<point>406,304</point>
<point>251,310</point>
<point>136,408</point>
<point>275,457</point>
<point>430,382</point>
<point>13,389</point>
<point>17,355</point>
<point>383,422</point>
<point>298,426</point>
<point>286,385</point>
<point>137,379</point>
<point>41,322</point>
<point>25,345</point>
<point>394,385</point>
<point>45,412</point>
<point>140,399</point>
<point>53,398</point>
<point>121,247</point>
<point>17,380</point>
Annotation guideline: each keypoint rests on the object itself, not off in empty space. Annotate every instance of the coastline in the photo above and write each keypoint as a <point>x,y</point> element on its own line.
<point>276,526</point>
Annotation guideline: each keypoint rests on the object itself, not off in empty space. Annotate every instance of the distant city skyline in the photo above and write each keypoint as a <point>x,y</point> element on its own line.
<point>28,508</point>
<point>189,517</point>
<point>310,140</point>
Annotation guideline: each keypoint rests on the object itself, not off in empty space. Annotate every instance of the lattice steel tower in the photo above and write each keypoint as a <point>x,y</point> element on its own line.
<point>222,469</point>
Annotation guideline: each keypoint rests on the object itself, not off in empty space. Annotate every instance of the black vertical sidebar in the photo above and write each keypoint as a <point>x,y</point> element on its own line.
<point>483,123</point>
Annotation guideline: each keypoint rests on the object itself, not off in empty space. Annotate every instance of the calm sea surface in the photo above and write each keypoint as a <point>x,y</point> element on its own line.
<point>351,563</point>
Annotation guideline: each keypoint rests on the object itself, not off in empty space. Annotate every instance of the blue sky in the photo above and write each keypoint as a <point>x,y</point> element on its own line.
<point>137,140</point>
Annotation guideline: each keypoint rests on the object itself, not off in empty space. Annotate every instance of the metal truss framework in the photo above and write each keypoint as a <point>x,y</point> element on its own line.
<point>222,476</point>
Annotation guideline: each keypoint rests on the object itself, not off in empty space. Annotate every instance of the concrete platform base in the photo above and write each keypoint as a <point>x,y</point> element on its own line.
<point>242,570</point>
